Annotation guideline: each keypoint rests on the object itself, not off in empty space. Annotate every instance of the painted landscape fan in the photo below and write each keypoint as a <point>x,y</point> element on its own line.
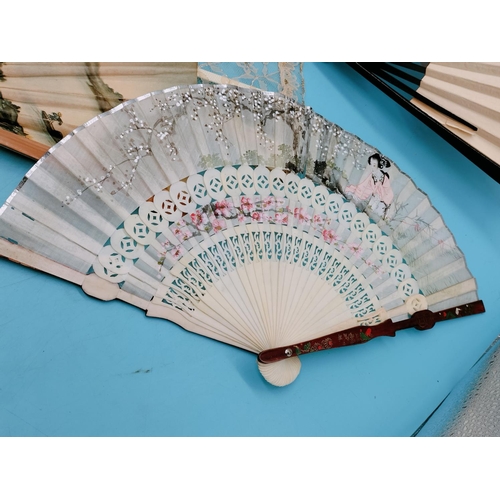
<point>241,216</point>
<point>41,102</point>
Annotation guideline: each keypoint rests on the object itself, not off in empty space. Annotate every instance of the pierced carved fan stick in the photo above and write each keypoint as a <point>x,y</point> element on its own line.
<point>240,215</point>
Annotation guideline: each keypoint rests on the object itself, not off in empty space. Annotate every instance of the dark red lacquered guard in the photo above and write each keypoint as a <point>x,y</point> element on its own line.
<point>421,320</point>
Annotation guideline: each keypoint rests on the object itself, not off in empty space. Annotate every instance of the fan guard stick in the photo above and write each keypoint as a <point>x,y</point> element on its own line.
<point>421,320</point>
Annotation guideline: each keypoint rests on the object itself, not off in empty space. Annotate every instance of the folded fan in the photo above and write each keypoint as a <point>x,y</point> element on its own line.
<point>238,214</point>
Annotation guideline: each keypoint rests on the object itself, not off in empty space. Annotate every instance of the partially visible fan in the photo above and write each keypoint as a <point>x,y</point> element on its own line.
<point>42,102</point>
<point>458,100</point>
<point>242,216</point>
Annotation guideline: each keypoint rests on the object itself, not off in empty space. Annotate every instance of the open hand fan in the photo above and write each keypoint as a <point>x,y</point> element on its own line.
<point>242,216</point>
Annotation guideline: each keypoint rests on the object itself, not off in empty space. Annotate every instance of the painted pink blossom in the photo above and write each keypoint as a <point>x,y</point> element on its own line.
<point>257,216</point>
<point>200,219</point>
<point>301,215</point>
<point>177,231</point>
<point>318,219</point>
<point>241,218</point>
<point>247,204</point>
<point>357,250</point>
<point>281,218</point>
<point>329,235</point>
<point>177,252</point>
<point>218,224</point>
<point>268,203</point>
<point>183,233</point>
<point>223,208</point>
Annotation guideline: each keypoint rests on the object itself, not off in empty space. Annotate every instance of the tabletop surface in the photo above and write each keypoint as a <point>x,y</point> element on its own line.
<point>71,365</point>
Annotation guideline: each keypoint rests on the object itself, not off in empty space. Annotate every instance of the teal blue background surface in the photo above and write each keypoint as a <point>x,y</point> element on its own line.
<point>71,365</point>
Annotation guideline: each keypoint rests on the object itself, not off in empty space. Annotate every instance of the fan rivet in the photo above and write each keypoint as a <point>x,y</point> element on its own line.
<point>288,352</point>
